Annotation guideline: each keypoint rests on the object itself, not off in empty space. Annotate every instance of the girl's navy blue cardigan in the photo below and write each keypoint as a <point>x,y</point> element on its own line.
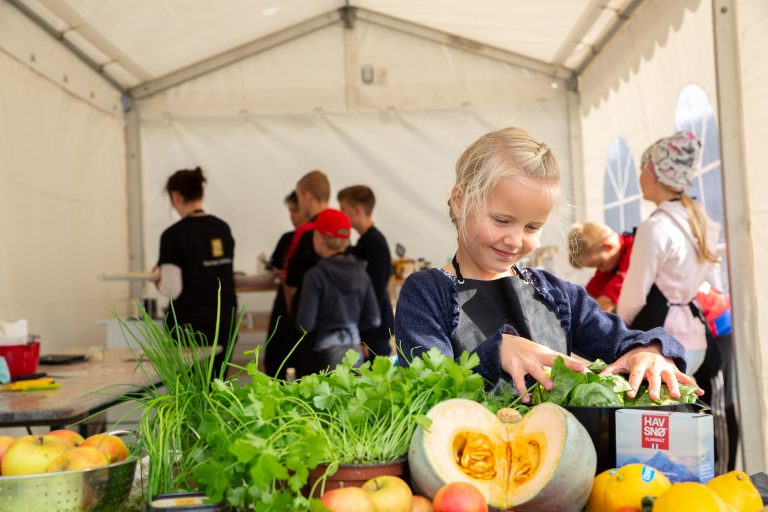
<point>427,315</point>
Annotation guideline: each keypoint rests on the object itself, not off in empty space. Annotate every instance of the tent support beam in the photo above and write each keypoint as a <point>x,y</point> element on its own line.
<point>135,203</point>
<point>234,55</point>
<point>576,150</point>
<point>85,59</point>
<point>76,22</point>
<point>555,71</point>
<point>580,30</point>
<point>621,19</point>
<point>738,230</point>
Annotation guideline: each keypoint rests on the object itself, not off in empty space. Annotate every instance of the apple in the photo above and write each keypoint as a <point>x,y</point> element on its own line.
<point>459,497</point>
<point>81,457</point>
<point>348,499</point>
<point>421,504</point>
<point>73,437</point>
<point>389,494</point>
<point>30,455</point>
<point>5,442</point>
<point>112,446</point>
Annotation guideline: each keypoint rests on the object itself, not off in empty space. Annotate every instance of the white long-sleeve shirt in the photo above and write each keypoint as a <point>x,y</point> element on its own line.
<point>664,252</point>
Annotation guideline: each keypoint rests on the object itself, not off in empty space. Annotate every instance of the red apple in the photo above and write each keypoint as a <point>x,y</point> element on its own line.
<point>459,497</point>
<point>348,499</point>
<point>421,504</point>
<point>82,457</point>
<point>73,437</point>
<point>30,455</point>
<point>112,446</point>
<point>5,442</point>
<point>389,494</point>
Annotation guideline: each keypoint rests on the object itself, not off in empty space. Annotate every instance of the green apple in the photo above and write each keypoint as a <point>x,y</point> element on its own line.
<point>389,494</point>
<point>31,455</point>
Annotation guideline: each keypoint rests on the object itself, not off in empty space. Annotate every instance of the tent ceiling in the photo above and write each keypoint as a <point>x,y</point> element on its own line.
<point>144,40</point>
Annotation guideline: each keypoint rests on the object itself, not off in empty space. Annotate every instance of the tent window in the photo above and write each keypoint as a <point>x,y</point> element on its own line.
<point>621,189</point>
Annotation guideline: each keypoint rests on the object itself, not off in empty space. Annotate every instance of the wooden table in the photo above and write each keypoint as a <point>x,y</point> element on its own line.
<point>86,388</point>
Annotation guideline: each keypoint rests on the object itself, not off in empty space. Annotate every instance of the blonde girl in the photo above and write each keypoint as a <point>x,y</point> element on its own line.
<point>518,320</point>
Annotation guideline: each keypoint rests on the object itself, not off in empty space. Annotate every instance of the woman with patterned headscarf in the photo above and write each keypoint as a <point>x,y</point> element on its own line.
<point>672,253</point>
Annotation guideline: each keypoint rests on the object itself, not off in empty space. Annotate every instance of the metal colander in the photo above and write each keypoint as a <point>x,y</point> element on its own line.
<point>105,488</point>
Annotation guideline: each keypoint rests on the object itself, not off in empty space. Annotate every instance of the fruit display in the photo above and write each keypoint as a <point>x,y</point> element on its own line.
<point>736,489</point>
<point>544,461</point>
<point>459,497</point>
<point>624,488</point>
<point>381,494</point>
<point>59,450</point>
<point>637,487</point>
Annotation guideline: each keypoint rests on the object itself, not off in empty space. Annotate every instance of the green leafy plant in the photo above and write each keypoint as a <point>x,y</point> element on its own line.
<point>589,389</point>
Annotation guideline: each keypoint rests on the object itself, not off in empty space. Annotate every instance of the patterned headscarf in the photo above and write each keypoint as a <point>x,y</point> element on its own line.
<point>673,161</point>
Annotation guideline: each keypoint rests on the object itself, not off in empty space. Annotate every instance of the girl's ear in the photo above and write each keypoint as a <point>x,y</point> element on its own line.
<point>457,199</point>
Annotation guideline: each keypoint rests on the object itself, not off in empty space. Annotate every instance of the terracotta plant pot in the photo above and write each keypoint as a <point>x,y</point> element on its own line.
<point>354,475</point>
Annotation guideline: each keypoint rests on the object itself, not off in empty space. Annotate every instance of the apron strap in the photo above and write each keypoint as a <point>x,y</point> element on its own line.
<point>460,278</point>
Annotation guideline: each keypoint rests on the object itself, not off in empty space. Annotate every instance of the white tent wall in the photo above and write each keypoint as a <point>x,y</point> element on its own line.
<point>752,20</point>
<point>303,105</point>
<point>62,190</point>
<point>631,91</point>
<point>632,88</point>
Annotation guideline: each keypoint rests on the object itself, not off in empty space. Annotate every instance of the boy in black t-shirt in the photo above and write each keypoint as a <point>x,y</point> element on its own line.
<point>357,203</point>
<point>312,191</point>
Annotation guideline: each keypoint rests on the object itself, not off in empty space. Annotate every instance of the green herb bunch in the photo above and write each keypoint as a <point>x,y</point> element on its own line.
<point>174,412</point>
<point>363,415</point>
<point>372,411</point>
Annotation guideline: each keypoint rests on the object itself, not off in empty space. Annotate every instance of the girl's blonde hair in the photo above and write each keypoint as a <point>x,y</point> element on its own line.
<point>502,154</point>
<point>584,240</point>
<point>698,223</point>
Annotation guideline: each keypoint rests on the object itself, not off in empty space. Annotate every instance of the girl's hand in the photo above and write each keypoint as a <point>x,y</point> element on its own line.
<point>520,357</point>
<point>648,363</point>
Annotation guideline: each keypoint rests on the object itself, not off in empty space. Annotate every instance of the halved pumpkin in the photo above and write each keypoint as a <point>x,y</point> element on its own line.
<point>546,461</point>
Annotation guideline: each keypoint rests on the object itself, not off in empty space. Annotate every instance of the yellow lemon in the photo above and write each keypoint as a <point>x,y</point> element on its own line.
<point>596,501</point>
<point>736,489</point>
<point>690,497</point>
<point>627,486</point>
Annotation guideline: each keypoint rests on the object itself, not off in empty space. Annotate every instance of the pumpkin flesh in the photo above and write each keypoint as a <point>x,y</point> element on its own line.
<point>516,465</point>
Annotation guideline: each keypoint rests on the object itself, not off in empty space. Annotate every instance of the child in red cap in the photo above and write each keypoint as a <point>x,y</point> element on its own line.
<point>337,298</point>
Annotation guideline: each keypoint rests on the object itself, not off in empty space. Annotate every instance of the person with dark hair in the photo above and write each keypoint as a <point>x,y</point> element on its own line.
<point>357,203</point>
<point>313,191</point>
<point>196,257</point>
<point>281,331</point>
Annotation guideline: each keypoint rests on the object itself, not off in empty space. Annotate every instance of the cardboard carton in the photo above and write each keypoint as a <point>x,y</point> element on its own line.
<point>679,444</point>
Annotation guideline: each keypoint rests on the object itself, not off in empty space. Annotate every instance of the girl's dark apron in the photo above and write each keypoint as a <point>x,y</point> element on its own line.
<point>487,306</point>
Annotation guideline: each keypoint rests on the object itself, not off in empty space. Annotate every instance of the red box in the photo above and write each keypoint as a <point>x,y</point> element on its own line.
<point>22,359</point>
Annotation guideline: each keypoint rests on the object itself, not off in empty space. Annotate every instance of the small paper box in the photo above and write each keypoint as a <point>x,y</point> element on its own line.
<point>679,444</point>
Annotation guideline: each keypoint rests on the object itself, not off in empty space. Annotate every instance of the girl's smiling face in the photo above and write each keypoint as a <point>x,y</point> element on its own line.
<point>506,230</point>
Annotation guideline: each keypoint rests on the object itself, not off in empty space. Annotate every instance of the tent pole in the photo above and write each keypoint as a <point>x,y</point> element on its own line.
<point>738,233</point>
<point>133,178</point>
<point>578,187</point>
<point>234,55</point>
<point>85,59</point>
<point>468,45</point>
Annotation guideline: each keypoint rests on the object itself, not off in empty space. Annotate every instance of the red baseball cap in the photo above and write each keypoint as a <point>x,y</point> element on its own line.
<point>333,223</point>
